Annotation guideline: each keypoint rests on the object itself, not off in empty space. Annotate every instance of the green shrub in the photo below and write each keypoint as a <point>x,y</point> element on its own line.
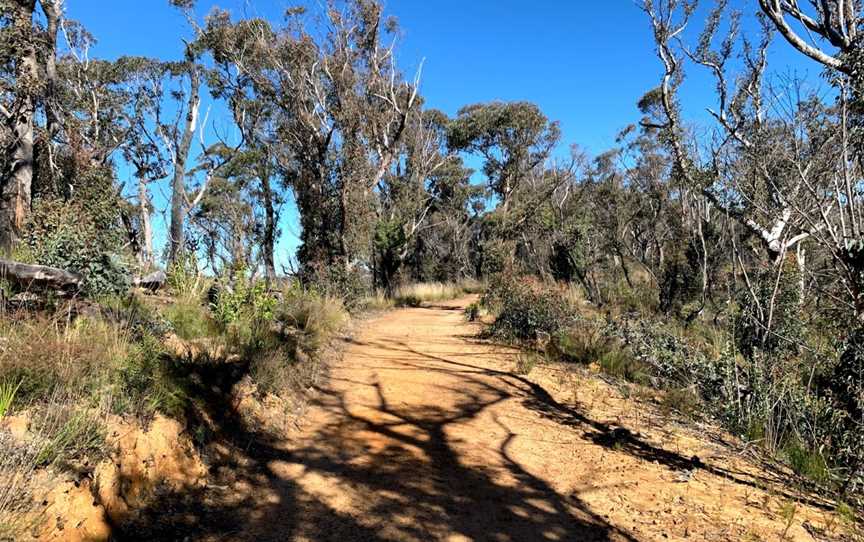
<point>145,381</point>
<point>71,434</point>
<point>526,308</point>
<point>806,463</point>
<point>82,233</point>
<point>244,299</point>
<point>472,312</point>
<point>335,281</point>
<point>189,319</point>
<point>184,280</point>
<point>846,386</point>
<point>671,360</point>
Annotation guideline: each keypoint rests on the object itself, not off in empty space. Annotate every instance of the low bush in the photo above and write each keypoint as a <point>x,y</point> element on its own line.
<point>351,286</point>
<point>526,308</point>
<point>189,318</point>
<point>243,299</point>
<point>472,312</point>
<point>311,317</point>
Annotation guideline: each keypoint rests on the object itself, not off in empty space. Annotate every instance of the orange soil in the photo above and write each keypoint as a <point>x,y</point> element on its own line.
<point>424,433</point>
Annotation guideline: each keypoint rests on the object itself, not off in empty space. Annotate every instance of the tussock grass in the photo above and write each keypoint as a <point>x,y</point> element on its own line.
<point>377,302</point>
<point>412,295</point>
<point>44,355</point>
<point>8,389</point>
<point>314,318</point>
<point>189,318</point>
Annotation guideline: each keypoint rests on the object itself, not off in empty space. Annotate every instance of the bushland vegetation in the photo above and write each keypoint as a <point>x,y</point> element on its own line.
<point>721,262</point>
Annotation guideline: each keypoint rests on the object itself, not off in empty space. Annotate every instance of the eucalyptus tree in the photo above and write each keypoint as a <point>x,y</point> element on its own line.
<point>429,183</point>
<point>513,138</point>
<point>338,112</point>
<point>27,78</point>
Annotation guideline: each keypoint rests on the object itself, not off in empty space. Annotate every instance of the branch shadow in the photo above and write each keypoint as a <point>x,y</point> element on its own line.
<point>397,461</point>
<point>622,439</point>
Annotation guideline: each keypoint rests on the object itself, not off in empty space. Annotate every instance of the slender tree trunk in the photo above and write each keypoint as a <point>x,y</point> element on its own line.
<point>146,254</point>
<point>343,226</point>
<point>269,227</point>
<point>177,239</point>
<point>52,10</point>
<point>17,185</point>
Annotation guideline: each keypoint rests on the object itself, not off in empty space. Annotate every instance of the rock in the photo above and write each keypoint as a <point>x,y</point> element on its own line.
<point>152,281</point>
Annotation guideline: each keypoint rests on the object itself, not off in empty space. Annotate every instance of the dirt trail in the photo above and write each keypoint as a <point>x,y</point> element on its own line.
<point>424,433</point>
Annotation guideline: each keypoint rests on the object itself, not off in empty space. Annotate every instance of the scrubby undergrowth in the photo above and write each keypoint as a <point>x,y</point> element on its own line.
<point>774,397</point>
<point>70,371</point>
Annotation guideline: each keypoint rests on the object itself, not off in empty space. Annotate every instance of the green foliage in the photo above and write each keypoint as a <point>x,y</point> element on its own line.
<point>672,359</point>
<point>806,463</point>
<point>389,240</point>
<point>472,312</point>
<point>8,389</point>
<point>336,281</point>
<point>775,297</point>
<point>189,318</point>
<point>846,387</point>
<point>183,278</point>
<point>246,300</point>
<point>146,382</point>
<point>526,308</point>
<point>495,257</point>
<point>79,433</point>
<point>83,235</point>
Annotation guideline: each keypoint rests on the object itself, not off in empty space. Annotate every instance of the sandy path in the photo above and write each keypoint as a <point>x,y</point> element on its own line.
<point>424,433</point>
<point>419,436</point>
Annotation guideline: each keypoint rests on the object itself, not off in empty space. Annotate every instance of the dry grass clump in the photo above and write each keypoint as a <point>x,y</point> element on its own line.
<point>377,302</point>
<point>43,355</point>
<point>313,318</point>
<point>17,465</point>
<point>414,294</point>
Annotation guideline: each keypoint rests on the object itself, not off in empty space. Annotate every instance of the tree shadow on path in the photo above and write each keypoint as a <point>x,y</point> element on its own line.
<point>396,472</point>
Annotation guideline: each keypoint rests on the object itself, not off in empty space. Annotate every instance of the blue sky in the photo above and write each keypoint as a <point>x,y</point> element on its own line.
<point>584,63</point>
